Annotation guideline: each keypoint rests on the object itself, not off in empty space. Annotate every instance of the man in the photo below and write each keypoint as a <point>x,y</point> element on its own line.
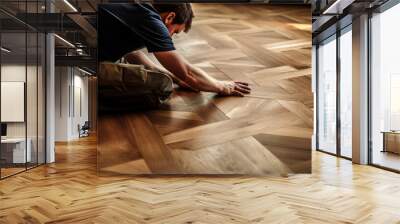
<point>124,29</point>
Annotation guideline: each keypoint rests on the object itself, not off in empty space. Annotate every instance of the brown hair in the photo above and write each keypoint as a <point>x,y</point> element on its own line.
<point>183,11</point>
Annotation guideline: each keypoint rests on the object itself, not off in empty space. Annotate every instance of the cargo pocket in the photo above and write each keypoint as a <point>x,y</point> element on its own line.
<point>126,87</point>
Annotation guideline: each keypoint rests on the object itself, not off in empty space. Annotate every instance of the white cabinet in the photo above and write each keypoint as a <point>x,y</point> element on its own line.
<point>16,150</point>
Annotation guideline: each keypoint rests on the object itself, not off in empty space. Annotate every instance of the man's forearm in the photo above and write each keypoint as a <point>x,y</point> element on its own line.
<point>197,78</point>
<point>193,77</point>
<point>200,80</point>
<point>138,57</point>
<point>174,77</point>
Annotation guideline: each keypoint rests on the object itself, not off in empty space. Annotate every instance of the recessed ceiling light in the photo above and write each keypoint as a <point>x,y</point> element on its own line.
<point>84,71</point>
<point>70,5</point>
<point>5,50</point>
<point>337,7</point>
<point>65,41</point>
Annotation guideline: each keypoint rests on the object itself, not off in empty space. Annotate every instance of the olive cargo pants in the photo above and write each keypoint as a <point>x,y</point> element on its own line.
<point>128,87</point>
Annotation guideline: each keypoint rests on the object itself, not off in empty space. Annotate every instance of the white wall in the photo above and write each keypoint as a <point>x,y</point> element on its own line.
<point>71,102</point>
<point>14,73</point>
<point>62,81</point>
<point>80,110</point>
<point>11,73</point>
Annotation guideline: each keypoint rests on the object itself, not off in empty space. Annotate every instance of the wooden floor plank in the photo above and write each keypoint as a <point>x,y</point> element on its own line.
<point>302,111</point>
<point>276,77</point>
<point>225,158</point>
<point>150,144</point>
<point>336,192</point>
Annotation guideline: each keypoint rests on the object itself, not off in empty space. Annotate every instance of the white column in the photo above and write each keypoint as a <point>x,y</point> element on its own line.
<point>360,89</point>
<point>50,92</point>
<point>50,99</point>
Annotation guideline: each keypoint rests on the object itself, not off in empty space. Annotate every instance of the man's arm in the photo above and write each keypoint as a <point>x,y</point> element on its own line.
<point>140,58</point>
<point>197,78</point>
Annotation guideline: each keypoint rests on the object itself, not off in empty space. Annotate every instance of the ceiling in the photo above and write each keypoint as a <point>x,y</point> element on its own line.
<point>74,21</point>
<point>332,15</point>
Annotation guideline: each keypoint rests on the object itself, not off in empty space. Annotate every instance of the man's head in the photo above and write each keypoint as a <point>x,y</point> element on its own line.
<point>177,17</point>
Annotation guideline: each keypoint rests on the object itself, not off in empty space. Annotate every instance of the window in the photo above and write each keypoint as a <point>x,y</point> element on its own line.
<point>385,89</point>
<point>333,137</point>
<point>22,77</point>
<point>327,95</point>
<point>346,75</point>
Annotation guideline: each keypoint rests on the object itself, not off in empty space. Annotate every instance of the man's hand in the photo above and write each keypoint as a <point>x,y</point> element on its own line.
<point>196,78</point>
<point>234,88</point>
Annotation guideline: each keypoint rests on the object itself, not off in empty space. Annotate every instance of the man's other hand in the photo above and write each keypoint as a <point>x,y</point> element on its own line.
<point>234,88</point>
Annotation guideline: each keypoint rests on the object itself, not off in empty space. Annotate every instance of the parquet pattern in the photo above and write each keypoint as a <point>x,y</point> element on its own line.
<point>266,132</point>
<point>70,191</point>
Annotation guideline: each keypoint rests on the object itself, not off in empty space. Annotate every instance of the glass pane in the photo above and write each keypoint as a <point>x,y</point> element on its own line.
<point>346,94</point>
<point>386,89</point>
<point>31,98</point>
<point>17,9</point>
<point>327,96</point>
<point>41,98</point>
<point>13,87</point>
<point>32,87</point>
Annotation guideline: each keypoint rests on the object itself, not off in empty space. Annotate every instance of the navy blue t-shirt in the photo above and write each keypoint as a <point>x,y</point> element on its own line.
<point>125,27</point>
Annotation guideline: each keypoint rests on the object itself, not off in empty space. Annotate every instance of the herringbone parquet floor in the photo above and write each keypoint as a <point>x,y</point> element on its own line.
<point>70,191</point>
<point>266,132</point>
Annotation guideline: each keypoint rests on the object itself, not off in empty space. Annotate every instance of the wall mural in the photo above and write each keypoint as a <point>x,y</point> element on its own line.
<point>228,93</point>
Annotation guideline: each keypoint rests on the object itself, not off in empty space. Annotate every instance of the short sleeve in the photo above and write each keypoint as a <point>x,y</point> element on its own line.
<point>126,27</point>
<point>147,25</point>
<point>155,35</point>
